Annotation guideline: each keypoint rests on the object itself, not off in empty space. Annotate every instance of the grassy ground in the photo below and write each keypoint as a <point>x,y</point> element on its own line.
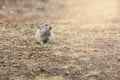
<point>81,52</point>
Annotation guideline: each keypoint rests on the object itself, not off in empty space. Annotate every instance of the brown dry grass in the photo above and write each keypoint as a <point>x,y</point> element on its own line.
<point>88,51</point>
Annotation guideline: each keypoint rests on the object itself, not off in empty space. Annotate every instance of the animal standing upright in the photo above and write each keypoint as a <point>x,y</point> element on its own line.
<point>44,34</point>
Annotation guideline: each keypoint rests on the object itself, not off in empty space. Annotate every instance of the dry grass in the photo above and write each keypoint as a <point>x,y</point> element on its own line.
<point>87,51</point>
<point>79,52</point>
<point>3,14</point>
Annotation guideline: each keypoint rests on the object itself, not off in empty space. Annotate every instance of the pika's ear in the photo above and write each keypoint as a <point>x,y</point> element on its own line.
<point>38,27</point>
<point>50,28</point>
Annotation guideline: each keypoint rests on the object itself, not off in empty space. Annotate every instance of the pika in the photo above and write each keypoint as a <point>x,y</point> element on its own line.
<point>44,34</point>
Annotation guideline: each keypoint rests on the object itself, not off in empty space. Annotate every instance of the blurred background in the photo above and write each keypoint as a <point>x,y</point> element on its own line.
<point>83,11</point>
